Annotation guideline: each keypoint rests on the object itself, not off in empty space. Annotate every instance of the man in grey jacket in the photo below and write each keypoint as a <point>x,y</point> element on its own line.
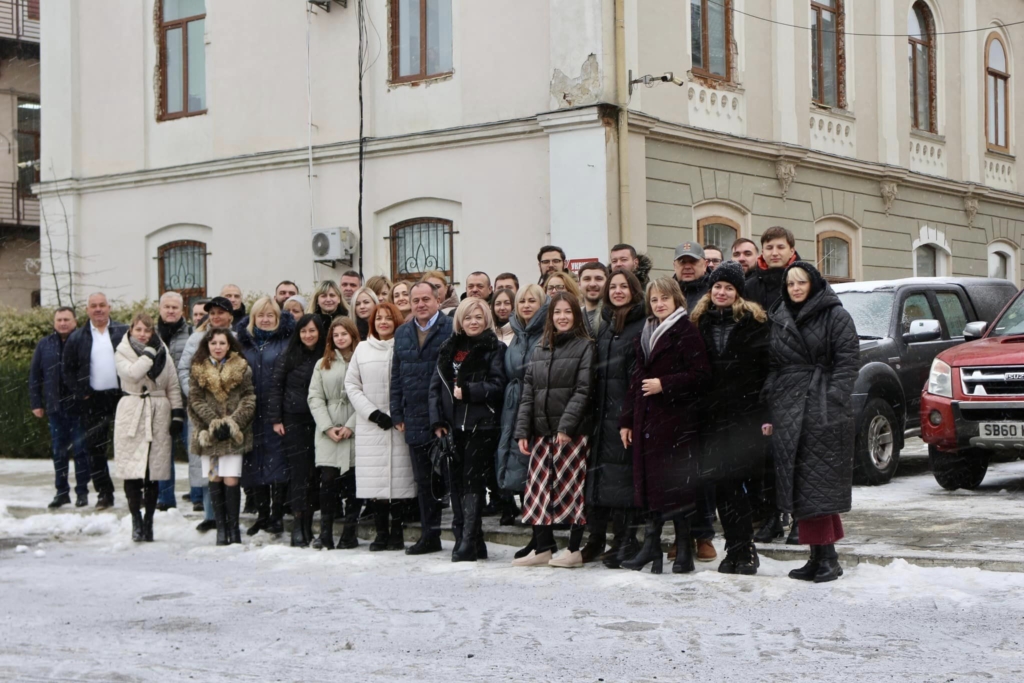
<point>174,331</point>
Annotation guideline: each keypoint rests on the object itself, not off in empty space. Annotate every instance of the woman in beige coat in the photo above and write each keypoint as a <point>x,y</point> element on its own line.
<point>149,417</point>
<point>335,426</point>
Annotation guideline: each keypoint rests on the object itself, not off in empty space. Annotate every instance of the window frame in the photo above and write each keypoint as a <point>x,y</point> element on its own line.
<point>186,293</point>
<point>1005,78</point>
<point>449,232</point>
<point>702,237</point>
<point>840,37</point>
<point>394,32</point>
<point>36,138</point>
<point>701,71</point>
<point>930,44</point>
<point>164,28</point>
<point>819,246</point>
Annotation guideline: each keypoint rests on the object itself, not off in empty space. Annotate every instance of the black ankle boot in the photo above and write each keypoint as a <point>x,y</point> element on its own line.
<point>232,507</point>
<point>219,511</point>
<point>138,535</point>
<point>684,547</point>
<point>771,530</point>
<point>262,496</point>
<point>299,539</point>
<point>396,535</point>
<point>809,570</point>
<point>650,551</point>
<point>325,540</point>
<point>627,550</point>
<point>471,518</point>
<point>828,564</point>
<point>794,535</point>
<point>509,511</point>
<point>746,560</point>
<point>348,538</point>
<point>380,522</point>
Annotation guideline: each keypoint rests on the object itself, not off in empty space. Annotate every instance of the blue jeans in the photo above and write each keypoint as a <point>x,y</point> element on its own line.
<point>67,434</point>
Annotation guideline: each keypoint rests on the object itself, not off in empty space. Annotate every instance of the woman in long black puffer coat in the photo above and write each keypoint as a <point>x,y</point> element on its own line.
<point>609,491</point>
<point>289,412</point>
<point>815,357</point>
<point>466,394</point>
<point>735,333</point>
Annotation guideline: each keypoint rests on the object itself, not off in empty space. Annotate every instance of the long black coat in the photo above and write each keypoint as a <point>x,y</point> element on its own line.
<point>665,426</point>
<point>556,389</point>
<point>814,364</point>
<point>731,415</point>
<point>289,388</point>
<point>610,466</point>
<point>481,377</point>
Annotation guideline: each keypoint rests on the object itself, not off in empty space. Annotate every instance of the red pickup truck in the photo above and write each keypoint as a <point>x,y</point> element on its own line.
<point>973,402</point>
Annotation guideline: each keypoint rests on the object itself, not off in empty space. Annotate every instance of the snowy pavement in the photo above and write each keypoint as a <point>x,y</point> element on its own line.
<point>80,601</point>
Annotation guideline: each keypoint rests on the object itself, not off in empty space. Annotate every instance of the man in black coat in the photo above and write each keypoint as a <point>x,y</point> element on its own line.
<point>417,346</point>
<point>764,282</point>
<point>49,397</point>
<point>91,376</point>
<point>691,272</point>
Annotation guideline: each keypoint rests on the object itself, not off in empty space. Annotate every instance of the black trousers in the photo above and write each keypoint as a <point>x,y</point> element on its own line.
<point>427,486</point>
<point>299,450</point>
<point>735,509</point>
<point>97,414</point>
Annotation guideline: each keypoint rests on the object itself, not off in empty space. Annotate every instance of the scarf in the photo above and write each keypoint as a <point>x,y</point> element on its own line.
<point>262,337</point>
<point>168,330</point>
<point>653,330</point>
<point>158,362</point>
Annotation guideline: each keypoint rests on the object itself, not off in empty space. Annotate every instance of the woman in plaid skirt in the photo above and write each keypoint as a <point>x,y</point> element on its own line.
<point>551,428</point>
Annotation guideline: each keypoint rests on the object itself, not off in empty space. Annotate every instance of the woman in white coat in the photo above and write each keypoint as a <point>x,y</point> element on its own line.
<point>383,467</point>
<point>149,417</point>
<point>335,426</point>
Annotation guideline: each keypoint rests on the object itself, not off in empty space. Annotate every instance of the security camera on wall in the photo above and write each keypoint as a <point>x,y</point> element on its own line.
<point>331,245</point>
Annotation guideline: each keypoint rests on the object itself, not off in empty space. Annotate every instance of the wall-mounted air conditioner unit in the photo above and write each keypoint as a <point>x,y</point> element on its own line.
<point>333,244</point>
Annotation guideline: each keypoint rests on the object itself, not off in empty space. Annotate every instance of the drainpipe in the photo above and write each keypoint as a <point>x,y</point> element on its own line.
<point>622,100</point>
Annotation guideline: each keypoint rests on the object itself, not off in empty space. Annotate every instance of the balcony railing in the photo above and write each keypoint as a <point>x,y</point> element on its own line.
<point>19,20</point>
<point>18,207</point>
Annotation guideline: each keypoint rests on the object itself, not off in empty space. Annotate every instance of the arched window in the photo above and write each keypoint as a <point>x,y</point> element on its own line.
<point>419,245</point>
<point>711,38</point>
<point>717,230</point>
<point>1002,260</point>
<point>921,31</point>
<point>997,85</point>
<point>828,86</point>
<point>183,269</point>
<point>835,253</point>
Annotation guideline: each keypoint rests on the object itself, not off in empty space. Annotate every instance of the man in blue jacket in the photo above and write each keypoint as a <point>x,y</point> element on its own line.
<point>417,346</point>
<point>49,398</point>
<point>91,376</point>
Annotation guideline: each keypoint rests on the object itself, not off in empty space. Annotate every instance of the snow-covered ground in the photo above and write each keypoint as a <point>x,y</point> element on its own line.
<point>80,601</point>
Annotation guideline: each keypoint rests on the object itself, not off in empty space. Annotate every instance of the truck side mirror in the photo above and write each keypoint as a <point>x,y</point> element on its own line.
<point>923,331</point>
<point>975,330</point>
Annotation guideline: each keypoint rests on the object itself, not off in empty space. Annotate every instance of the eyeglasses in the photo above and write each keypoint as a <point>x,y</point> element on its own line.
<point>551,262</point>
<point>714,261</point>
<point>552,289</point>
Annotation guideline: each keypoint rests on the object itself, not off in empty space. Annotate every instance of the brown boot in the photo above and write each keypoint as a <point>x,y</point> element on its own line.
<point>705,551</point>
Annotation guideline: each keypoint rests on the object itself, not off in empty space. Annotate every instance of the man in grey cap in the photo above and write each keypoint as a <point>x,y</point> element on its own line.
<point>691,272</point>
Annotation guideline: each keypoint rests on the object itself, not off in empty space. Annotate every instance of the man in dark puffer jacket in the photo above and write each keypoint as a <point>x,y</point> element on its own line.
<point>417,346</point>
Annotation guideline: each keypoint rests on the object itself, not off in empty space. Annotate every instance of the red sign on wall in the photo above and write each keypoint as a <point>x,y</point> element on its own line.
<point>577,263</point>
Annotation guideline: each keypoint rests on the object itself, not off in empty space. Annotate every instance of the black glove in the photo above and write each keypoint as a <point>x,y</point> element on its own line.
<point>154,341</point>
<point>382,420</point>
<point>177,427</point>
<point>222,433</point>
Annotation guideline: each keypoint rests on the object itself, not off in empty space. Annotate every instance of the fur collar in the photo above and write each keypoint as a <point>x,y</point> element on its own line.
<point>219,380</point>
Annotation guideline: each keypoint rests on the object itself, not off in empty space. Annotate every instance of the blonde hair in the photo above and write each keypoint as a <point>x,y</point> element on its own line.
<point>464,308</point>
<point>377,284</point>
<point>314,306</point>
<point>365,289</point>
<point>802,275</point>
<point>536,290</point>
<point>740,307</point>
<point>262,304</point>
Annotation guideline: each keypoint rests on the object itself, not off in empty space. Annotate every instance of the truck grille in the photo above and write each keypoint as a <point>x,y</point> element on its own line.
<point>983,414</point>
<point>993,381</point>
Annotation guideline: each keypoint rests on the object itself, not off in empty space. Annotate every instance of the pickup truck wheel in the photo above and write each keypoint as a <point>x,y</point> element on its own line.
<point>958,469</point>
<point>877,450</point>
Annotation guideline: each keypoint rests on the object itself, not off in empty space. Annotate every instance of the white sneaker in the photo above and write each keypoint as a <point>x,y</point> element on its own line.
<point>533,559</point>
<point>567,560</point>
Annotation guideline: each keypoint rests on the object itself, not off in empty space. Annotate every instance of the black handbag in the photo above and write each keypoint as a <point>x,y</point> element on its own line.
<point>442,451</point>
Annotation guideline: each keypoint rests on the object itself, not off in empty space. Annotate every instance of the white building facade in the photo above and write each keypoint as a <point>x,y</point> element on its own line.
<point>179,136</point>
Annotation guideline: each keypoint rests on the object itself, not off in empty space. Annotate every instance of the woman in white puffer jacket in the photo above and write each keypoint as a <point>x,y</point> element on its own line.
<point>384,475</point>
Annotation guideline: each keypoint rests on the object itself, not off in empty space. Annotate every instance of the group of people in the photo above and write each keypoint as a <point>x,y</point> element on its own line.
<point>603,398</point>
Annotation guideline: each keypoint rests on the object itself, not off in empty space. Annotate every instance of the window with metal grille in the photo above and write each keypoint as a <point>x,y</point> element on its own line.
<point>182,58</point>
<point>711,38</point>
<point>419,245</point>
<point>828,53</point>
<point>834,257</point>
<point>421,39</point>
<point>719,231</point>
<point>921,45</point>
<point>183,269</point>
<point>997,87</point>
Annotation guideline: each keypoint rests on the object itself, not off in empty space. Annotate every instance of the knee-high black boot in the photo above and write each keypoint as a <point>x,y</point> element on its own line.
<point>275,525</point>
<point>152,492</point>
<point>232,508</point>
<point>597,526</point>
<point>684,549</point>
<point>472,513</point>
<point>133,493</point>
<point>380,522</point>
<point>219,511</point>
<point>396,535</point>
<point>651,549</point>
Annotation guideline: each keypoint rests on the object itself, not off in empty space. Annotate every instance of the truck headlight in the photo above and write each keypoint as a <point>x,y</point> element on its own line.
<point>940,379</point>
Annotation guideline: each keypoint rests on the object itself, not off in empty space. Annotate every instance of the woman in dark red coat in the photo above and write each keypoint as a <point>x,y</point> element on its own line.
<point>659,419</point>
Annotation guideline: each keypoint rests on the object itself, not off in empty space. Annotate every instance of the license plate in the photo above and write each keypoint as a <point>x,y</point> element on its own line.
<point>1002,430</point>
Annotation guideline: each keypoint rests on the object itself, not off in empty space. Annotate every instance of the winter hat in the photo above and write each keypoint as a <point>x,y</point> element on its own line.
<point>298,299</point>
<point>730,272</point>
<point>818,283</point>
